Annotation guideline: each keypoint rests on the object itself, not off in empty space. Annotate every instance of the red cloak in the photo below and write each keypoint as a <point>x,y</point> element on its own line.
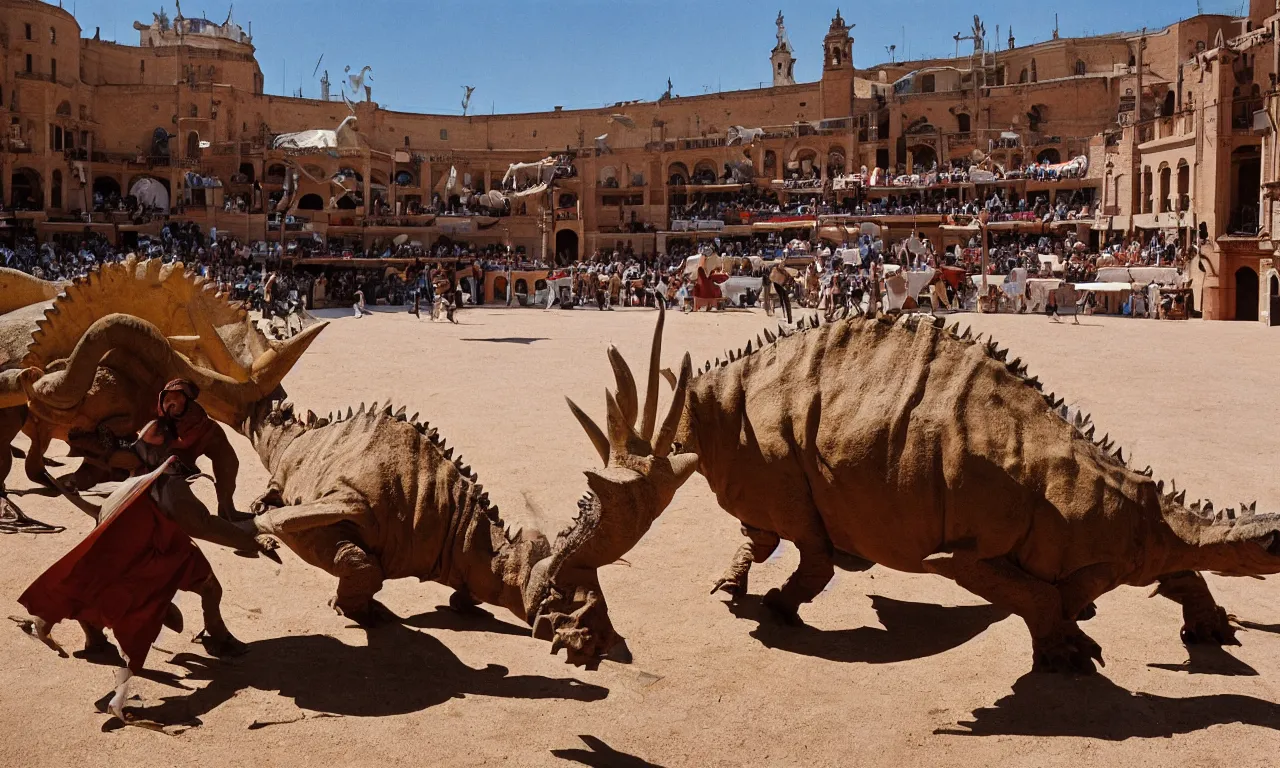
<point>124,574</point>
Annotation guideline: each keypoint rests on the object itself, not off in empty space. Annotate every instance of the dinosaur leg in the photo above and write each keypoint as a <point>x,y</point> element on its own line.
<point>40,438</point>
<point>759,546</point>
<point>1058,645</point>
<point>811,577</point>
<point>1203,620</point>
<point>359,579</point>
<point>11,420</point>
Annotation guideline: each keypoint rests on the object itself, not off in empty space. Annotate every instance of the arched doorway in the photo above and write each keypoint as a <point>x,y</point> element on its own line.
<point>24,186</point>
<point>106,186</point>
<point>923,158</point>
<point>1246,294</point>
<point>193,145</point>
<point>500,288</point>
<point>566,246</point>
<point>1049,156</point>
<point>246,170</point>
<point>311,202</point>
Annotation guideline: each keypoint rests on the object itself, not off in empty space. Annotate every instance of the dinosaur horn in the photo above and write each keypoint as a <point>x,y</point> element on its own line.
<point>651,391</point>
<point>662,443</point>
<point>626,386</point>
<point>144,342</point>
<point>593,431</point>
<point>271,366</point>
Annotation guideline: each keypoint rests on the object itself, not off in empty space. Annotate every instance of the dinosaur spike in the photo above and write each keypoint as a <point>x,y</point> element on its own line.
<point>1089,433</point>
<point>759,342</point>
<point>399,412</point>
<point>1034,381</point>
<point>1253,506</point>
<point>1181,496</point>
<point>1231,513</point>
<point>387,411</point>
<point>939,323</point>
<point>464,469</point>
<point>349,413</point>
<point>1160,487</point>
<point>1208,507</point>
<point>414,417</point>
<point>769,335</point>
<point>1195,506</point>
<point>717,362</point>
<point>1148,472</point>
<point>1001,354</point>
<point>1120,455</point>
<point>1244,509</point>
<point>747,350</point>
<point>448,454</point>
<point>967,329</point>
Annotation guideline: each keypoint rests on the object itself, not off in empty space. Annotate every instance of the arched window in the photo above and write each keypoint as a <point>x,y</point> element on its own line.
<point>1034,77</point>
<point>962,122</point>
<point>1080,68</point>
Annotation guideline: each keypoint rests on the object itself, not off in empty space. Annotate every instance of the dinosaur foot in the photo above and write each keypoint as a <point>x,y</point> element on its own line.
<point>1088,612</point>
<point>734,584</point>
<point>1215,628</point>
<point>368,615</point>
<point>223,646</point>
<point>1068,650</point>
<point>785,612</point>
<point>463,603</point>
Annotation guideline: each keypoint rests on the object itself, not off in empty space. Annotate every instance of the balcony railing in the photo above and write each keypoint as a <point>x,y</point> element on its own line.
<point>1242,110</point>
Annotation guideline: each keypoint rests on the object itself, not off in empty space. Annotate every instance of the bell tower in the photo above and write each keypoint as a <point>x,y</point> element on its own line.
<point>837,70</point>
<point>837,47</point>
<point>782,60</point>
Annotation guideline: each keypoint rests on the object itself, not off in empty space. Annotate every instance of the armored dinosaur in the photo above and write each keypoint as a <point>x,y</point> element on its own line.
<point>44,322</point>
<point>372,494</point>
<point>924,449</point>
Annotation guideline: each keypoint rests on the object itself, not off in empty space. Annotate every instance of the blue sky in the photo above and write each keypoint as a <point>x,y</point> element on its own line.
<point>529,55</point>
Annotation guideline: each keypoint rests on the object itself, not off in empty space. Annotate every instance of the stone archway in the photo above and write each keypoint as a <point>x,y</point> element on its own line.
<point>311,202</point>
<point>26,189</point>
<point>1246,281</point>
<point>566,246</point>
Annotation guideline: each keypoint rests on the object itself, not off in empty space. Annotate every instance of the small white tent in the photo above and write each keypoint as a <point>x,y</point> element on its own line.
<point>151,192</point>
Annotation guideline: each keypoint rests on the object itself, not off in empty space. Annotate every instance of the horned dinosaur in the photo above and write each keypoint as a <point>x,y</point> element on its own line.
<point>43,322</point>
<point>371,495</point>
<point>923,449</point>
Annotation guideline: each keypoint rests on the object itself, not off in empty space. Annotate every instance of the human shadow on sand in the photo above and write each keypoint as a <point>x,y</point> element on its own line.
<point>601,755</point>
<point>911,631</point>
<point>401,670</point>
<point>1096,708</point>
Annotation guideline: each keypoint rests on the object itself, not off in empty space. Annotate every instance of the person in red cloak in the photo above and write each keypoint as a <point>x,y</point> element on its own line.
<point>705,291</point>
<point>125,573</point>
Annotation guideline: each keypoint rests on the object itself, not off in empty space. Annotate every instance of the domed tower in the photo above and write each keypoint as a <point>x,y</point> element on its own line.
<point>782,59</point>
<point>837,70</point>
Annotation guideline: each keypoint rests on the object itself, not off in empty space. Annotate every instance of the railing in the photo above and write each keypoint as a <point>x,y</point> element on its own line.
<point>1242,110</point>
<point>1243,220</point>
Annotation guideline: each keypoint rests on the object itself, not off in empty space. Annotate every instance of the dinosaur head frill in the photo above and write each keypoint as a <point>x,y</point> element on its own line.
<point>638,481</point>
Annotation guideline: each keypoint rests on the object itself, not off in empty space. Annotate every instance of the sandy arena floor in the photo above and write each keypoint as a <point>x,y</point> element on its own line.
<point>891,670</point>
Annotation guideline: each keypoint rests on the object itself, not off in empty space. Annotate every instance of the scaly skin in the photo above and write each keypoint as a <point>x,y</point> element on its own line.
<point>917,448</point>
<point>44,322</point>
<point>374,495</point>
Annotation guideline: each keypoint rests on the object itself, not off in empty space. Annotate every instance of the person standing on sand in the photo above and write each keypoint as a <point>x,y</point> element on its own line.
<point>359,306</point>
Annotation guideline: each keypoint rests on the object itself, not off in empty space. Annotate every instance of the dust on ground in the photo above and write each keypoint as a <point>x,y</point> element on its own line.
<point>891,669</point>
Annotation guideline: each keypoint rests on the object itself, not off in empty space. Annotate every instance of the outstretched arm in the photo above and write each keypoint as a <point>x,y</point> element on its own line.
<point>226,466</point>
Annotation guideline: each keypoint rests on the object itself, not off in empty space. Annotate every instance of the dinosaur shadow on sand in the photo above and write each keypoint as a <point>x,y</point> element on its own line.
<point>401,670</point>
<point>911,631</point>
<point>602,755</point>
<point>1095,707</point>
<point>526,340</point>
